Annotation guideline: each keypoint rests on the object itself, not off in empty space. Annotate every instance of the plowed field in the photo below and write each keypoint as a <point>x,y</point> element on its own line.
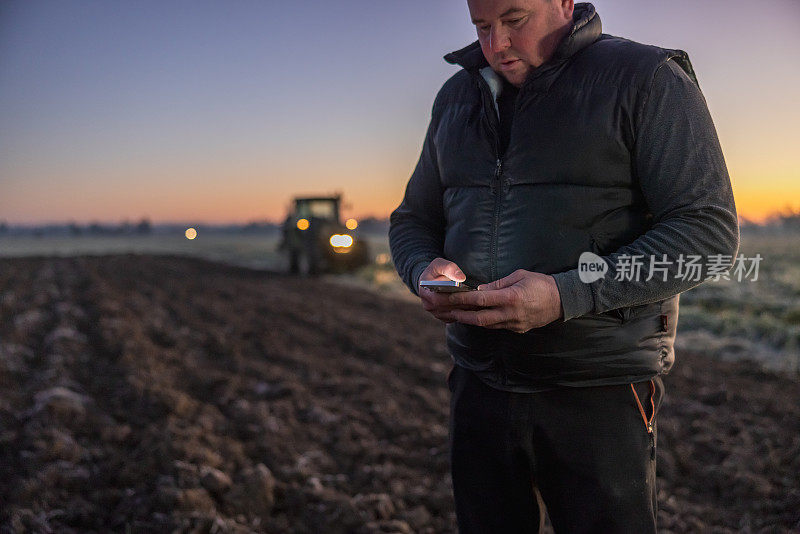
<point>157,393</point>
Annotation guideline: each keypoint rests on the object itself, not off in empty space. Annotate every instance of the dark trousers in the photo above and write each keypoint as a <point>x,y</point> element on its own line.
<point>584,453</point>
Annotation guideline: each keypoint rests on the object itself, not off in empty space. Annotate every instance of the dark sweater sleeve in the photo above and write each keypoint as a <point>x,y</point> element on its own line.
<point>678,162</point>
<point>416,229</point>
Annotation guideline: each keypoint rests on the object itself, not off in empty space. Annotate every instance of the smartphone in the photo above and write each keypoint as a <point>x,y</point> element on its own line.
<point>446,286</point>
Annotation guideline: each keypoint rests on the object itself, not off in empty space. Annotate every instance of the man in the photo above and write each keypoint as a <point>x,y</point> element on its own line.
<point>556,143</point>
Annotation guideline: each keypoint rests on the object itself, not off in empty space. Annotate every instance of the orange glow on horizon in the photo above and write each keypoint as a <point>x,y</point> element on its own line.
<point>267,200</point>
<point>760,204</point>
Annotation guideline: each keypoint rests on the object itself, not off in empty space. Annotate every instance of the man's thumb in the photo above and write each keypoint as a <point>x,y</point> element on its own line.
<point>451,271</point>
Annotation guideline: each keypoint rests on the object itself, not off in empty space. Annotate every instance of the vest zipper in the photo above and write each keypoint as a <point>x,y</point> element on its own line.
<point>495,185</point>
<point>497,189</point>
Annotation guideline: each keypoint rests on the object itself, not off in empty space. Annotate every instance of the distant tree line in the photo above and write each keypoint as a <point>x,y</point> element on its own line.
<point>790,220</point>
<point>127,228</point>
<point>142,227</point>
<point>374,225</point>
<point>786,221</point>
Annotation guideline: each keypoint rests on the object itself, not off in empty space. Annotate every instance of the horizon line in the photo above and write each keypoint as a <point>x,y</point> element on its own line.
<point>744,220</point>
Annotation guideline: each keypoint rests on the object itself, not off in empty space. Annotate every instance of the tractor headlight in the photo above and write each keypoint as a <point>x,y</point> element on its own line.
<point>341,243</point>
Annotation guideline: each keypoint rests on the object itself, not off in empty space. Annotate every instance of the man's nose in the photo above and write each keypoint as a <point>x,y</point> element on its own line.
<point>499,39</point>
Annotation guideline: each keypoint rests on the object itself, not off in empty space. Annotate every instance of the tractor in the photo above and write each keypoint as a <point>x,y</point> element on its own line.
<point>317,242</point>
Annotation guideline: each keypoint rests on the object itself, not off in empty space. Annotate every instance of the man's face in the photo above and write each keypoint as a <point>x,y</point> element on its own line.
<point>517,36</point>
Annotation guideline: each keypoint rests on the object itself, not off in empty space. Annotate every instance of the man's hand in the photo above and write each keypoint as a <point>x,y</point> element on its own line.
<point>437,304</point>
<point>519,302</point>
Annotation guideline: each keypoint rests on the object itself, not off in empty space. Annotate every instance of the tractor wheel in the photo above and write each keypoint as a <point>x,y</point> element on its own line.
<point>307,264</point>
<point>294,262</point>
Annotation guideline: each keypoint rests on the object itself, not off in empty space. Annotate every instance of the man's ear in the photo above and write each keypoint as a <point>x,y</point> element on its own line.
<point>567,7</point>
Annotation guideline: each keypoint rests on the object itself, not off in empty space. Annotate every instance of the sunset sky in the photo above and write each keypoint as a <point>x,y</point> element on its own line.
<point>222,111</point>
